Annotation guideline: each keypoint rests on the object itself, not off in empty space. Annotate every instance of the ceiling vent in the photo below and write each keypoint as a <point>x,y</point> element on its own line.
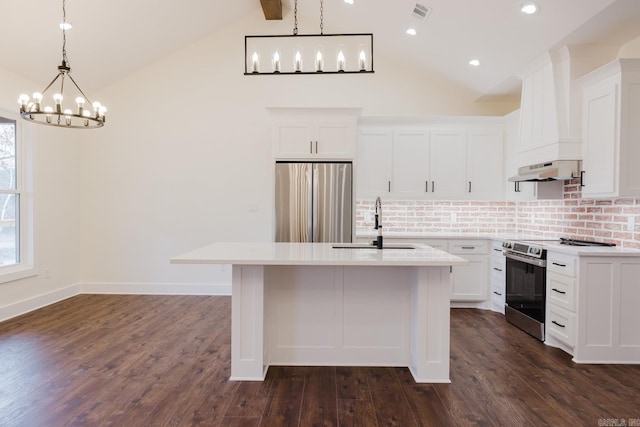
<point>421,11</point>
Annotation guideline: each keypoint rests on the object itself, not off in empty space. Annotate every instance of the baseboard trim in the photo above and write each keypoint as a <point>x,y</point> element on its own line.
<point>31,304</point>
<point>155,288</point>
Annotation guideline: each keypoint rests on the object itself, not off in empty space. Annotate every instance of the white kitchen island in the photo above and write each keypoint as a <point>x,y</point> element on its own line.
<point>310,304</point>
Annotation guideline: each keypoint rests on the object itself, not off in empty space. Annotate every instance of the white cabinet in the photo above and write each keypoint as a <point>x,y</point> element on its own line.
<point>314,137</point>
<point>485,165</point>
<point>591,308</point>
<point>410,163</point>
<point>611,153</point>
<point>560,305</point>
<point>453,163</point>
<point>448,164</point>
<point>470,282</point>
<point>498,277</point>
<point>373,165</point>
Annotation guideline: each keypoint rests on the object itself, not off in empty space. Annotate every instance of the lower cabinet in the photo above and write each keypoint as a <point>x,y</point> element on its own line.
<point>498,277</point>
<point>469,283</point>
<point>592,304</point>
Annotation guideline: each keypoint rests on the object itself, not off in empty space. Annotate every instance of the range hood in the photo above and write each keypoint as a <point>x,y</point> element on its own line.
<point>558,170</point>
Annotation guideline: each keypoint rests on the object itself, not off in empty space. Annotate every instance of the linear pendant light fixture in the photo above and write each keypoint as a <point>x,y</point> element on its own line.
<point>308,53</point>
<point>82,117</point>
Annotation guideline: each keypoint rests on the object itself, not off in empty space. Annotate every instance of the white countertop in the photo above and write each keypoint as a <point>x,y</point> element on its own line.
<point>591,250</point>
<point>315,254</point>
<point>548,243</point>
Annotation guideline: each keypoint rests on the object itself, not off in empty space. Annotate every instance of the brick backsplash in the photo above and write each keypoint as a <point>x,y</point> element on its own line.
<point>603,220</point>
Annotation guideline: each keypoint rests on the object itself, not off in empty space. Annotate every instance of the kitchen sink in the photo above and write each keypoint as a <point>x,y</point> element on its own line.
<point>370,246</point>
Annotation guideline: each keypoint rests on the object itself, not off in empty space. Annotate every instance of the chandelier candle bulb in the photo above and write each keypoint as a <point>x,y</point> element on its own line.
<point>297,63</point>
<point>341,61</point>
<point>48,110</point>
<point>80,101</point>
<point>254,62</point>
<point>24,101</point>
<point>363,61</point>
<point>319,61</point>
<point>67,117</point>
<point>58,100</point>
<point>37,98</point>
<point>276,62</point>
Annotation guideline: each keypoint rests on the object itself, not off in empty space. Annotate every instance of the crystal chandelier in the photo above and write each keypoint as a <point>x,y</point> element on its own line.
<point>82,117</point>
<point>308,53</point>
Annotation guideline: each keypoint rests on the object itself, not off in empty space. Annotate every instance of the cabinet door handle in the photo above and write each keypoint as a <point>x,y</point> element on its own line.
<point>582,178</point>
<point>497,269</point>
<point>558,291</point>
<point>389,186</point>
<point>316,147</point>
<point>516,187</point>
<point>497,250</point>
<point>433,186</point>
<point>559,265</point>
<point>426,186</point>
<point>469,186</point>
<point>558,324</point>
<point>468,247</point>
<point>497,293</point>
<point>310,147</point>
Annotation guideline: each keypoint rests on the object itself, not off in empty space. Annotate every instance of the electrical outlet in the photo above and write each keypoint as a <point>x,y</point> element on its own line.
<point>454,217</point>
<point>367,217</point>
<point>252,207</point>
<point>631,223</point>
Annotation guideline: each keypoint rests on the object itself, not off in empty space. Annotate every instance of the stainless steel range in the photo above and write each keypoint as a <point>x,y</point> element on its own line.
<point>526,276</point>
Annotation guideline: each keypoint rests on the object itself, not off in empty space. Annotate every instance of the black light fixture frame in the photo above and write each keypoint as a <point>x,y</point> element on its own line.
<point>279,73</point>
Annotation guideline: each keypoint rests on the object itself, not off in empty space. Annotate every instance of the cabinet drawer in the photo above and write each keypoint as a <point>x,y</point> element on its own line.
<point>561,291</point>
<point>436,243</point>
<point>560,324</point>
<point>461,247</point>
<point>562,264</point>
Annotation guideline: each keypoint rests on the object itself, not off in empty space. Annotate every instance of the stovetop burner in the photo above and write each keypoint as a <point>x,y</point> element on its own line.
<point>574,242</point>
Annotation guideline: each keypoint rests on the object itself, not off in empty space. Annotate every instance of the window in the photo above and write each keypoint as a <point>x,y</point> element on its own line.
<point>16,260</point>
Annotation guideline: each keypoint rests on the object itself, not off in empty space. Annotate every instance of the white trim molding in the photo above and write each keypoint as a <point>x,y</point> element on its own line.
<point>117,288</point>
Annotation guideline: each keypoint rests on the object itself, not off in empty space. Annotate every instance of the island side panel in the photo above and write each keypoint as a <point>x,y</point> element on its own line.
<point>248,361</point>
<point>335,315</point>
<point>430,321</point>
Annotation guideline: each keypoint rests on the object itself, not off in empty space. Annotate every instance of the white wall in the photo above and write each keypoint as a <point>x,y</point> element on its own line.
<point>55,157</point>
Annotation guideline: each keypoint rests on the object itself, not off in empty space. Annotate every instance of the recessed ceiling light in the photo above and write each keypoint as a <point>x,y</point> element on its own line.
<point>474,62</point>
<point>65,26</point>
<point>412,31</point>
<point>348,1</point>
<point>529,8</point>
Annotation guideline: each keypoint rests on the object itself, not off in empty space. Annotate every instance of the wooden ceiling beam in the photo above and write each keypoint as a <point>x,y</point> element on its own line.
<point>272,9</point>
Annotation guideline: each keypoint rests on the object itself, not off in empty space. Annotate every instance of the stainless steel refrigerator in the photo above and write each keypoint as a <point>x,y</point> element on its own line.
<point>313,202</point>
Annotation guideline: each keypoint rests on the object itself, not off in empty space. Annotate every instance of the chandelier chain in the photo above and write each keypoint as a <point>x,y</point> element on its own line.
<point>64,32</point>
<point>295,18</point>
<point>321,16</point>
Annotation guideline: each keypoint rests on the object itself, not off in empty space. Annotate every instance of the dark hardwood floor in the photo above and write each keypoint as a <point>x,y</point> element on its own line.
<point>100,360</point>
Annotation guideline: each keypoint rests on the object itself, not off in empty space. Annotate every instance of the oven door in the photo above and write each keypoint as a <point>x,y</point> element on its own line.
<point>525,292</point>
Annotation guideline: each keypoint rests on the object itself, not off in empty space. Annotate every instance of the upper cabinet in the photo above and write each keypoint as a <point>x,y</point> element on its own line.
<point>431,162</point>
<point>611,130</point>
<point>314,134</point>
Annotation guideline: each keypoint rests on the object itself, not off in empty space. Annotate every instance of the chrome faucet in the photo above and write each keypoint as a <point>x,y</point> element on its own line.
<point>378,223</point>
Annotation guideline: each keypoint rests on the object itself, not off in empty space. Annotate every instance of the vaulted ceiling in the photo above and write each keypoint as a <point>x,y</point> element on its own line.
<point>115,38</point>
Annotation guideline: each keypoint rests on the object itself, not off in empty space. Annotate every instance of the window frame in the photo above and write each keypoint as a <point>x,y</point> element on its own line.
<point>25,267</point>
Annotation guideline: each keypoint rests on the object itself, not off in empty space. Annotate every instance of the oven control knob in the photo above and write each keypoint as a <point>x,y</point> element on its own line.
<point>507,245</point>
<point>535,251</point>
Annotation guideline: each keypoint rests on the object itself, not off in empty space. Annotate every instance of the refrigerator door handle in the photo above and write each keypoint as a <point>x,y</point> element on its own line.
<point>313,208</point>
